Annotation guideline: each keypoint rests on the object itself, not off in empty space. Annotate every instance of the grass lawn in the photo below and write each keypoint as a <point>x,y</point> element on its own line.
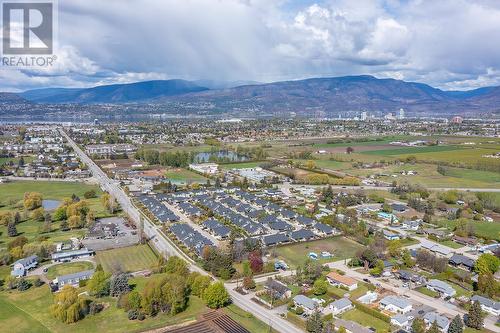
<point>242,165</point>
<point>366,320</point>
<point>184,176</point>
<point>451,244</point>
<point>411,150</point>
<point>128,259</point>
<point>296,254</point>
<point>296,320</point>
<point>427,292</point>
<point>17,320</point>
<point>36,301</point>
<point>487,230</point>
<point>68,268</point>
<point>246,319</point>
<point>49,189</point>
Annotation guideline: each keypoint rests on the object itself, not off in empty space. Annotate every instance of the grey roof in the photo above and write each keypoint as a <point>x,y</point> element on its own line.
<point>351,326</point>
<point>486,302</point>
<point>342,303</point>
<point>395,300</point>
<point>441,286</point>
<point>275,239</point>
<point>78,275</point>
<point>302,234</point>
<point>305,302</point>
<point>400,318</point>
<point>442,321</point>
<point>459,259</point>
<point>323,228</point>
<point>27,261</point>
<point>74,253</point>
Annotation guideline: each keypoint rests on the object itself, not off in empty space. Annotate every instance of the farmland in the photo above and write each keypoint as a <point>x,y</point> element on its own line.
<point>184,176</point>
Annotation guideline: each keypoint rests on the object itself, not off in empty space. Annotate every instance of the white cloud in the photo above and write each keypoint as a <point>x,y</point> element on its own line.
<point>446,43</point>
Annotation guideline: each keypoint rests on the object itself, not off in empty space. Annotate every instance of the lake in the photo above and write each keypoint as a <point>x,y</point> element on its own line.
<point>50,204</point>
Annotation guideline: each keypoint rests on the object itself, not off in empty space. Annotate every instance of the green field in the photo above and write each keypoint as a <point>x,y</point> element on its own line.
<point>184,176</point>
<point>487,230</point>
<point>242,165</point>
<point>49,189</point>
<point>412,150</point>
<point>296,254</point>
<point>128,259</point>
<point>68,268</point>
<point>17,320</point>
<point>366,320</point>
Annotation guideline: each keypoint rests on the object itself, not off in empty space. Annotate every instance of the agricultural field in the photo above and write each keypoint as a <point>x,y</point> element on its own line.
<point>184,176</point>
<point>486,230</point>
<point>68,268</point>
<point>128,259</point>
<point>296,254</point>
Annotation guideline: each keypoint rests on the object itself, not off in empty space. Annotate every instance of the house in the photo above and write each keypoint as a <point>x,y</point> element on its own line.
<point>350,326</point>
<point>442,251</point>
<point>65,256</point>
<point>309,305</point>
<point>335,279</point>
<point>21,266</point>
<point>442,322</point>
<point>389,235</point>
<point>400,208</point>
<point>487,304</point>
<point>368,298</point>
<point>411,224</point>
<point>395,304</point>
<point>400,320</point>
<point>340,306</point>
<point>205,168</point>
<point>73,279</point>
<point>467,241</point>
<point>443,288</point>
<point>461,261</point>
<point>437,234</point>
<point>278,289</point>
<point>408,276</point>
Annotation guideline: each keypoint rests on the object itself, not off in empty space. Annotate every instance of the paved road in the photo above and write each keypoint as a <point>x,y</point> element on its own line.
<point>440,305</point>
<point>161,242</point>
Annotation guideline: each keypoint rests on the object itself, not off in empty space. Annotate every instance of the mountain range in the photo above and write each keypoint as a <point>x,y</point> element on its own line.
<point>328,95</point>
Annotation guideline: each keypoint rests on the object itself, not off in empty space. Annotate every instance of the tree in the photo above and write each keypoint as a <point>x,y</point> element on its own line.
<point>434,328</point>
<point>68,307</point>
<point>23,284</point>
<point>248,282</point>
<point>487,263</point>
<point>255,260</point>
<point>487,285</point>
<point>176,265</point>
<point>418,326</point>
<point>32,200</point>
<point>314,324</point>
<point>75,222</point>
<point>456,325</point>
<point>349,150</point>
<point>119,285</point>
<point>11,230</point>
<point>98,284</point>
<point>60,213</point>
<point>134,300</point>
<point>216,296</point>
<point>38,214</point>
<point>310,164</point>
<point>200,284</point>
<point>64,225</point>
<point>320,286</point>
<point>475,316</point>
<point>89,194</point>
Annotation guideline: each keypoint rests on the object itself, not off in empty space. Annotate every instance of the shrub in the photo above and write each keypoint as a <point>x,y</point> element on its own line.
<point>299,310</point>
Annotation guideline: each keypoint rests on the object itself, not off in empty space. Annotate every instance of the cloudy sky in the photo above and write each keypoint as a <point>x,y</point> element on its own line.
<point>450,44</point>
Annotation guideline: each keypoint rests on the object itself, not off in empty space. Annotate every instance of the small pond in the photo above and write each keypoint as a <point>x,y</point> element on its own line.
<point>222,155</point>
<point>50,204</point>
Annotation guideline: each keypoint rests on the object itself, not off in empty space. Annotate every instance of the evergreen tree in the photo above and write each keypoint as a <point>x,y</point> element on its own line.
<point>456,325</point>
<point>64,225</point>
<point>475,316</point>
<point>418,326</point>
<point>11,230</point>
<point>314,324</point>
<point>434,328</point>
<point>119,285</point>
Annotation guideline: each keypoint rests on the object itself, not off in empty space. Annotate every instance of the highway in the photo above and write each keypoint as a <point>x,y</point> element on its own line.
<point>161,242</point>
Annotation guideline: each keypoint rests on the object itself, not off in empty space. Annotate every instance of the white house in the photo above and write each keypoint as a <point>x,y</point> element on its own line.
<point>395,304</point>
<point>487,304</point>
<point>442,322</point>
<point>400,320</point>
<point>368,298</point>
<point>21,267</point>
<point>205,168</point>
<point>441,287</point>
<point>306,303</point>
<point>73,279</point>
<point>335,279</point>
<point>340,306</point>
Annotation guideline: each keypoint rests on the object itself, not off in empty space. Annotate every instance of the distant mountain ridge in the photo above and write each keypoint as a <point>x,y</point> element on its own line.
<point>114,93</point>
<point>330,95</point>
